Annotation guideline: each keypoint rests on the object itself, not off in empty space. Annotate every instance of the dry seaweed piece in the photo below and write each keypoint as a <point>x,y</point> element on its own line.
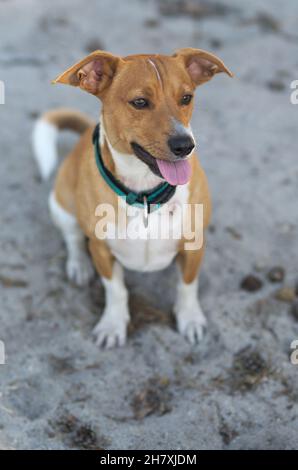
<point>61,365</point>
<point>194,8</point>
<point>76,434</point>
<point>294,310</point>
<point>234,233</point>
<point>226,432</point>
<point>7,281</point>
<point>153,398</point>
<point>248,370</point>
<point>267,22</point>
<point>143,314</point>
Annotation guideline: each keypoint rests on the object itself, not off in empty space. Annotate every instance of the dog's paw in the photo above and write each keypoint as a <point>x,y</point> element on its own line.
<point>191,323</point>
<point>110,331</point>
<point>79,270</point>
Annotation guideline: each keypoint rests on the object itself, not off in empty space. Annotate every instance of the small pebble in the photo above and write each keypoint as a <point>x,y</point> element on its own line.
<point>260,266</point>
<point>286,294</point>
<point>294,309</point>
<point>276,274</point>
<point>94,44</point>
<point>215,43</point>
<point>151,22</point>
<point>275,85</point>
<point>251,283</point>
<point>286,228</point>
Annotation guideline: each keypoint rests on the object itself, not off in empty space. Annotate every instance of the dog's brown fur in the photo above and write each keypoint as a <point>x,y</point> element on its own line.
<point>115,80</point>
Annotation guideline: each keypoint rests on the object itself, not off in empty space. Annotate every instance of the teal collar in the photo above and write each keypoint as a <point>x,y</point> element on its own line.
<point>149,200</point>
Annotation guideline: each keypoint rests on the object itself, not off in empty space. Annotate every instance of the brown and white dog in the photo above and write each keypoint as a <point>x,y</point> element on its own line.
<point>145,140</point>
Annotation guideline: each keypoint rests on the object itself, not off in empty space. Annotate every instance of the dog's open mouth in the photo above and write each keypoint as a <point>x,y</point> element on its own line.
<point>174,173</point>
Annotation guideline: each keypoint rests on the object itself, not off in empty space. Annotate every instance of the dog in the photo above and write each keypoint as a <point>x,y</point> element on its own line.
<point>143,150</point>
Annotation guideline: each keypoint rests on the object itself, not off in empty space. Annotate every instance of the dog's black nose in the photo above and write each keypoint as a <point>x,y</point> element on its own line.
<point>181,145</point>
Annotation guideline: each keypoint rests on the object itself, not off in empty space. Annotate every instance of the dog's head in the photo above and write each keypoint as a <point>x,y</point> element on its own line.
<point>148,102</point>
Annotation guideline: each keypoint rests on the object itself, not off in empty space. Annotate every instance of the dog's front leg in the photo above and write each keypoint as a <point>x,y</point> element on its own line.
<point>189,316</point>
<point>111,330</point>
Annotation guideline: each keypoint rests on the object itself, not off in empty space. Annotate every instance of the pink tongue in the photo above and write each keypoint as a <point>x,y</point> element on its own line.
<point>175,173</point>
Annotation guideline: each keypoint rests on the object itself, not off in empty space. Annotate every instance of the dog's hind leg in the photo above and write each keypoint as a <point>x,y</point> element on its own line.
<point>79,267</point>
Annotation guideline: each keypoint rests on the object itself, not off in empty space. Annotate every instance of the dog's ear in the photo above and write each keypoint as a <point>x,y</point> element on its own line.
<point>94,73</point>
<point>201,65</point>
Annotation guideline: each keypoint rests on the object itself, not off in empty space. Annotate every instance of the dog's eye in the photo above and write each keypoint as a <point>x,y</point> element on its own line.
<point>139,103</point>
<point>186,99</point>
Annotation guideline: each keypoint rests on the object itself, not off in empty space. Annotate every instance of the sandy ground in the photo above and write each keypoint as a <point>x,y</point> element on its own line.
<point>238,388</point>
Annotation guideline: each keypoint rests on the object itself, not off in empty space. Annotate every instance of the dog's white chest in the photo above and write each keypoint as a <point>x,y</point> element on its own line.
<point>152,248</point>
